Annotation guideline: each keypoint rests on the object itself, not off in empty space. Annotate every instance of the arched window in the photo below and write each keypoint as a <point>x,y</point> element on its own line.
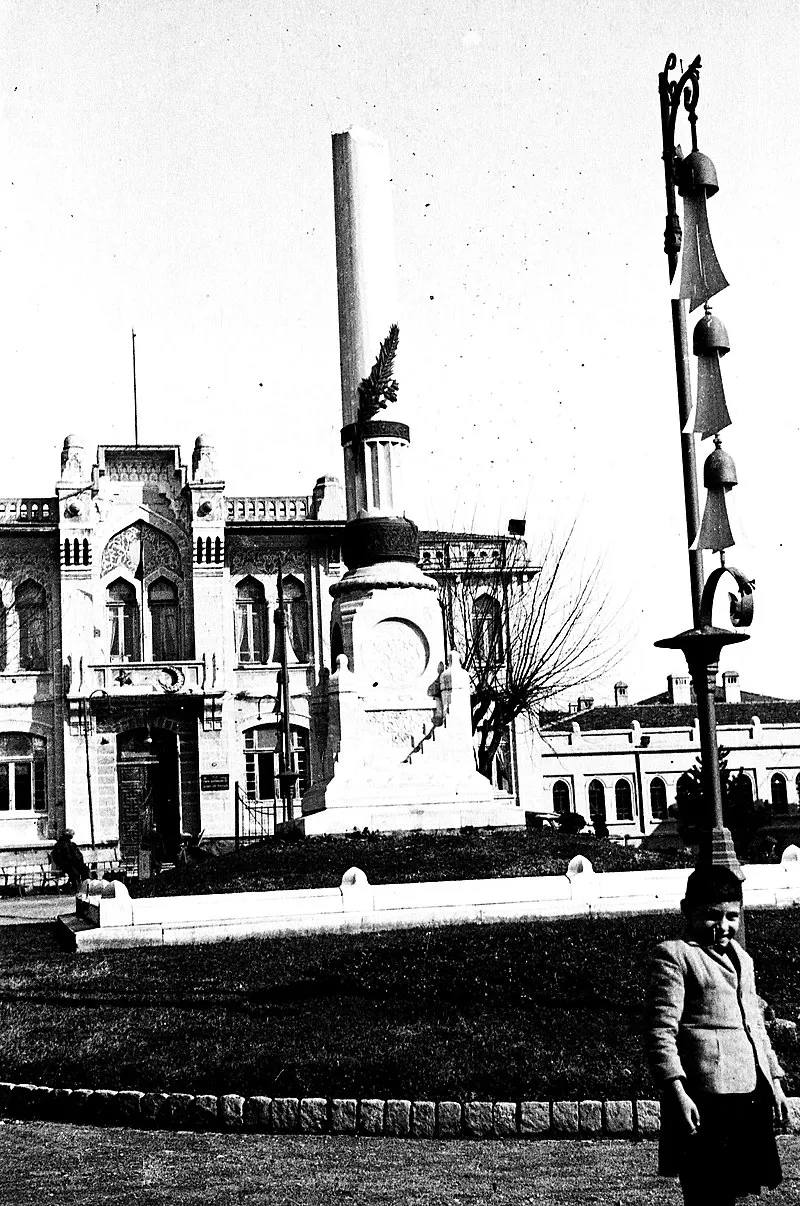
<point>294,597</point>
<point>262,747</point>
<point>742,788</point>
<point>597,801</point>
<point>684,787</point>
<point>658,800</point>
<point>560,797</point>
<point>123,622</point>
<point>31,606</point>
<point>780,799</point>
<point>251,642</point>
<point>164,620</point>
<point>487,630</point>
<point>23,773</point>
<point>623,800</point>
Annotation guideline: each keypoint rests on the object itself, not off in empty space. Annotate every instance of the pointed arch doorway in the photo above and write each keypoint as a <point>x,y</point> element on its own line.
<point>149,791</point>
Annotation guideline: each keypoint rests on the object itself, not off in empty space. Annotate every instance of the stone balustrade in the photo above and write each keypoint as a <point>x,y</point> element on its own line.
<point>145,678</point>
<point>286,509</point>
<point>28,511</point>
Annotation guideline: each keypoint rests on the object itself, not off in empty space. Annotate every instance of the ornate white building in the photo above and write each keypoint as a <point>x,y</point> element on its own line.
<point>140,657</point>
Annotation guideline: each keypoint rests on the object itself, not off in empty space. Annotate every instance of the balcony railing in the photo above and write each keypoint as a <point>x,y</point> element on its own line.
<point>269,510</point>
<point>146,678</point>
<point>28,510</point>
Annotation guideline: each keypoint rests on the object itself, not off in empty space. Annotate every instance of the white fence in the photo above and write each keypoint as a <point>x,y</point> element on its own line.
<point>107,916</point>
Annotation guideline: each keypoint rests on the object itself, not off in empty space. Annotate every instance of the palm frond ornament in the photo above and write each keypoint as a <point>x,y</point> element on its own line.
<point>380,388</point>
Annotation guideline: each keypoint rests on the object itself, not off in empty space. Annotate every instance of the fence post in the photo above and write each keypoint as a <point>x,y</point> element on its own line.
<point>236,815</point>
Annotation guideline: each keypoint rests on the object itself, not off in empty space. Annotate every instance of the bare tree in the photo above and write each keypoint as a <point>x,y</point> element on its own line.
<point>528,628</point>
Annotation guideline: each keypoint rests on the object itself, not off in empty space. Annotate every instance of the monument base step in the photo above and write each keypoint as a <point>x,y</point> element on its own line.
<point>387,818</point>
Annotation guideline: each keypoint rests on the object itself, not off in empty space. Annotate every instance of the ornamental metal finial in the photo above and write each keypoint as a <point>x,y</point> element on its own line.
<point>672,93</point>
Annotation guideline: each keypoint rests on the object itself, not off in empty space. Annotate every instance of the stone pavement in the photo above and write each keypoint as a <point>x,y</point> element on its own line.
<point>35,910</point>
<point>72,1166</point>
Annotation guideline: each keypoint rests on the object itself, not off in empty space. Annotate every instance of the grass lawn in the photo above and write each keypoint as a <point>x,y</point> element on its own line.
<point>510,1011</point>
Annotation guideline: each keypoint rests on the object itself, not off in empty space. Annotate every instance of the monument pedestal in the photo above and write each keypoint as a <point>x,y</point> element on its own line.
<point>399,751</point>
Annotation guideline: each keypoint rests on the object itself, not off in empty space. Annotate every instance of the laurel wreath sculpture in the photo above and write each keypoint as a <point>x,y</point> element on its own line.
<point>379,388</point>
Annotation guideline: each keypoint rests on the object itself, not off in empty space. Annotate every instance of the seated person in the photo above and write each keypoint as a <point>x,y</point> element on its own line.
<point>69,858</point>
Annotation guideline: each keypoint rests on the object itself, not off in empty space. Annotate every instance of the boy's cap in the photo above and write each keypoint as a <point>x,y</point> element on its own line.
<point>710,885</point>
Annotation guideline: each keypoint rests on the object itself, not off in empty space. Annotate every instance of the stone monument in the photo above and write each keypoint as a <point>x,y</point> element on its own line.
<point>398,752</point>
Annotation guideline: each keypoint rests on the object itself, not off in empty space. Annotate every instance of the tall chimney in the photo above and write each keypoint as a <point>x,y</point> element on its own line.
<point>732,692</point>
<point>372,438</point>
<point>620,694</point>
<point>678,689</point>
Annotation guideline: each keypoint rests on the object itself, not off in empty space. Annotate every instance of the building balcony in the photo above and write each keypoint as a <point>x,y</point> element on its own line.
<point>26,687</point>
<point>269,510</point>
<point>29,512</point>
<point>121,679</point>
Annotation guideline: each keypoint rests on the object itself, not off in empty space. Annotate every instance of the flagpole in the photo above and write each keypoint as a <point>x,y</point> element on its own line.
<point>135,406</point>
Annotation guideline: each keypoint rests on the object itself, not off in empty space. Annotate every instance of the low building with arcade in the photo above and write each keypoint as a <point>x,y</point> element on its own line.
<point>621,764</point>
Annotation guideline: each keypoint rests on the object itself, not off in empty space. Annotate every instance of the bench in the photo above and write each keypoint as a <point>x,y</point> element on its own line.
<point>17,878</point>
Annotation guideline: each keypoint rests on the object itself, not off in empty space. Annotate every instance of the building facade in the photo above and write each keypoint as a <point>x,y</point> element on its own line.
<point>141,651</point>
<point>622,765</point>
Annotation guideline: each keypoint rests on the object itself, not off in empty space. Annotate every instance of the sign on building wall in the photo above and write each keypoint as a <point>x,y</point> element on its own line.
<point>214,782</point>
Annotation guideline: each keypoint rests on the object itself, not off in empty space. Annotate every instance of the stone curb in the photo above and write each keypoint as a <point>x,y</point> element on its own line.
<point>586,1119</point>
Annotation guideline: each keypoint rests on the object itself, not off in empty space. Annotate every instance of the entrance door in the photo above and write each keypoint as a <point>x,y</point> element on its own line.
<point>147,777</point>
<point>135,777</point>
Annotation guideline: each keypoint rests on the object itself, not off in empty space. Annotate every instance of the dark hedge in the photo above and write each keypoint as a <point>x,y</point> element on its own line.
<point>320,862</point>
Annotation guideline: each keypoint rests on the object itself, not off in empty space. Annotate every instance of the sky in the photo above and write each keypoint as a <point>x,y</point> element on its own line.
<point>167,168</point>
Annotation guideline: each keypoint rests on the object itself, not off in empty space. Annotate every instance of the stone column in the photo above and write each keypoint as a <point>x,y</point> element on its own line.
<point>367,287</point>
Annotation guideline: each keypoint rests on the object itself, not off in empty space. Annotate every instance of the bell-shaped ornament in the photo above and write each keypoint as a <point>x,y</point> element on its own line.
<point>719,476</point>
<point>697,176</point>
<point>719,471</point>
<point>701,275</point>
<point>710,336</point>
<point>710,342</point>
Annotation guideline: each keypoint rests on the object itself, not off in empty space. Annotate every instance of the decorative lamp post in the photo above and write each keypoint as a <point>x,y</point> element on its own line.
<point>701,278</point>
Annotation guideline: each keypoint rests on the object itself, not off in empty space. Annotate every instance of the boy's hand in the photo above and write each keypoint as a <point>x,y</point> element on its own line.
<point>780,1104</point>
<point>687,1107</point>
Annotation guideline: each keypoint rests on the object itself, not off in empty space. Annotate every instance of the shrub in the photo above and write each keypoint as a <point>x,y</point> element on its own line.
<point>741,814</point>
<point>571,822</point>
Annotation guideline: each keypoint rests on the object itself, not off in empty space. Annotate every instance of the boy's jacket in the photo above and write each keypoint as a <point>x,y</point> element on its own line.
<point>703,1020</point>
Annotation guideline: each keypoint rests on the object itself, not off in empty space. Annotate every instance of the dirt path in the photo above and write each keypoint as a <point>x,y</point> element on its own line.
<point>76,1166</point>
